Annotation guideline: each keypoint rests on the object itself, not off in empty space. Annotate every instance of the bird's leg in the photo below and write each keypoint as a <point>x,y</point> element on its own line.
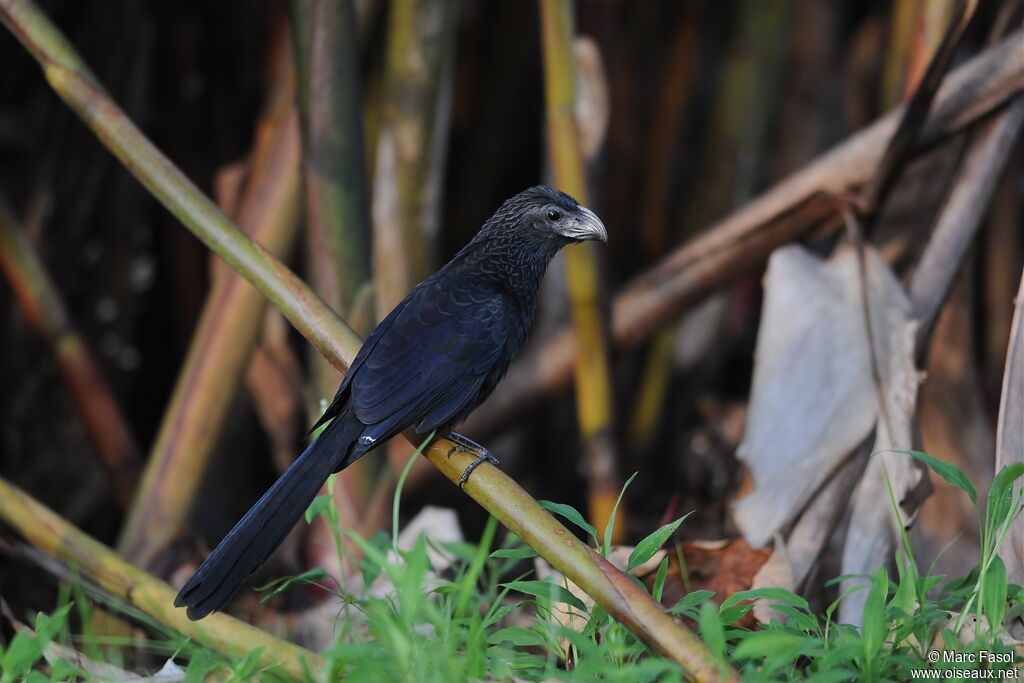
<point>469,446</point>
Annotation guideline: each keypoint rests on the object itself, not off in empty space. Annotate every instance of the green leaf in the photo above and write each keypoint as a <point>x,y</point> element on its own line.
<point>646,548</point>
<point>798,619</point>
<point>245,670</point>
<point>515,659</point>
<point>711,629</point>
<point>397,497</point>
<point>688,602</point>
<point>514,553</point>
<point>468,580</point>
<point>370,566</point>
<point>995,592</point>
<point>774,594</point>
<point>523,637</point>
<point>731,614</point>
<point>18,657</point>
<point>949,640</point>
<point>313,576</point>
<point>905,597</point>
<point>25,649</point>
<point>47,626</point>
<point>570,513</point>
<point>410,581</point>
<point>658,588</point>
<point>610,526</point>
<point>832,676</point>
<point>951,473</point>
<point>547,591</point>
<point>764,643</point>
<point>319,507</point>
<point>1000,496</point>
<point>461,550</point>
<point>874,615</point>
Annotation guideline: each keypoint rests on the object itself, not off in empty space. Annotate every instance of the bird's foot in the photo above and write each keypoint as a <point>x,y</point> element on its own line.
<point>464,445</point>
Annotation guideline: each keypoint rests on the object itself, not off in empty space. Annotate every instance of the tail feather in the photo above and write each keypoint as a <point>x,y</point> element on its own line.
<point>265,526</point>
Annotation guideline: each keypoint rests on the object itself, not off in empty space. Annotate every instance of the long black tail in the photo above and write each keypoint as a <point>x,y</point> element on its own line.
<point>267,523</point>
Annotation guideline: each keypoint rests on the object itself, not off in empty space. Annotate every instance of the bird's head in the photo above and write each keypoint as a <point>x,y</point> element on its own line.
<point>549,213</point>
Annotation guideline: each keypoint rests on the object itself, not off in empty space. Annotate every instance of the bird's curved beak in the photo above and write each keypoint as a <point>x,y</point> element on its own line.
<point>586,226</point>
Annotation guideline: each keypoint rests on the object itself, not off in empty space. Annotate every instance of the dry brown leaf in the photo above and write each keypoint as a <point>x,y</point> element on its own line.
<point>723,566</point>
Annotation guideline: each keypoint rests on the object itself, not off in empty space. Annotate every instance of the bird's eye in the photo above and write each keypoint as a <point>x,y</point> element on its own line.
<point>554,215</point>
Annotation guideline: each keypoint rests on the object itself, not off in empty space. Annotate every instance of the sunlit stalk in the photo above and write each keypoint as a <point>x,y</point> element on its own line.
<point>594,405</point>
<point>53,535</point>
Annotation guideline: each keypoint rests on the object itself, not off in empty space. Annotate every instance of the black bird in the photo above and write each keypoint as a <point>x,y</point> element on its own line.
<point>427,365</point>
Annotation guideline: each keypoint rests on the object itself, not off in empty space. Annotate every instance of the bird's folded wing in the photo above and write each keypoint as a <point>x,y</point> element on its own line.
<point>437,353</point>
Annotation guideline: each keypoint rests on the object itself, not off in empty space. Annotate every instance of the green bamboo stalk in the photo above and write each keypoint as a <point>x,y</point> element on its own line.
<point>410,145</point>
<point>408,166</point>
<point>228,330</point>
<point>48,316</point>
<point>494,490</point>
<point>594,404</point>
<point>56,537</point>
<point>337,195</point>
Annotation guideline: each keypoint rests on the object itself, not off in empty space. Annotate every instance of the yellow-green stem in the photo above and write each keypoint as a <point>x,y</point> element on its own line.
<point>52,534</point>
<point>594,405</point>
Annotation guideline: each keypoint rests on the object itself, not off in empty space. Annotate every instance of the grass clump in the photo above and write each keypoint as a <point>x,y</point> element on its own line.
<point>487,617</point>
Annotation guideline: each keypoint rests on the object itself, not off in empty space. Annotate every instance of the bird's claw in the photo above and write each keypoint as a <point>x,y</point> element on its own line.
<point>480,458</point>
<point>463,445</point>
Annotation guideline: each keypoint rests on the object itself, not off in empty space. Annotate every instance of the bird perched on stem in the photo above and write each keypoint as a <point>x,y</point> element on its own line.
<point>427,365</point>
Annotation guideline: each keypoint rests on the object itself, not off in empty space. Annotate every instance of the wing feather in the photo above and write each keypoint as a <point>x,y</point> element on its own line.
<point>428,370</point>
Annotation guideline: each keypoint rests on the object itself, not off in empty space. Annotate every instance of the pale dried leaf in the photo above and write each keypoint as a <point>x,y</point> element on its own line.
<point>812,399</point>
<point>593,98</point>
<point>698,331</point>
<point>874,526</point>
<point>1010,433</point>
<point>777,572</point>
<point>975,624</point>
<point>439,525</point>
<point>108,673</point>
<point>811,532</point>
<point>55,652</point>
